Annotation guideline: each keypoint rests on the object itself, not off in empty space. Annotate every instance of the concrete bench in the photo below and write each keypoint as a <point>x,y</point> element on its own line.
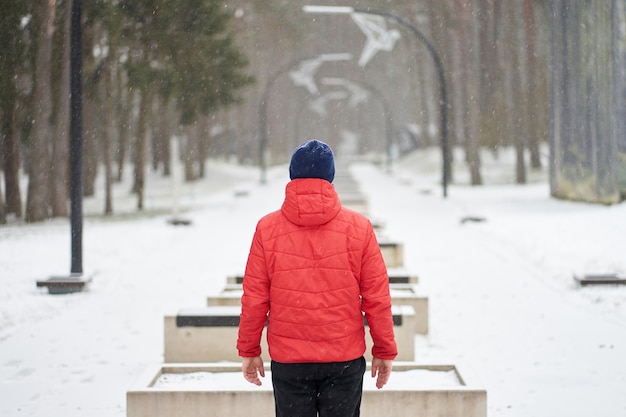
<point>401,276</point>
<point>203,335</point>
<point>396,276</point>
<point>234,279</point>
<point>401,294</point>
<point>393,253</point>
<point>209,334</point>
<point>409,295</point>
<point>231,297</point>
<point>232,287</point>
<point>600,279</point>
<point>219,390</point>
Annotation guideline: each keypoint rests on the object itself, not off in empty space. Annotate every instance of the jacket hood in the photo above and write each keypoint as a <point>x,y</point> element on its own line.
<point>310,202</point>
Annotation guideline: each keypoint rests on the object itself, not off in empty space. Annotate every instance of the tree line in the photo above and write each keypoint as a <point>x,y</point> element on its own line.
<point>546,78</point>
<point>151,69</point>
<point>519,74</point>
<point>495,55</point>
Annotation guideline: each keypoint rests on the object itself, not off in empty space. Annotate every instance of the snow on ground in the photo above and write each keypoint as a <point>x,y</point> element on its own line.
<point>503,301</point>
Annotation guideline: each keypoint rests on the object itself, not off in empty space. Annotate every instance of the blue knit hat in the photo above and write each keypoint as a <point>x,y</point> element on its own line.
<point>313,159</point>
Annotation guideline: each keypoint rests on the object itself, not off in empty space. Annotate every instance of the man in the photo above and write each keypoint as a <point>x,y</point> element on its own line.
<point>314,268</point>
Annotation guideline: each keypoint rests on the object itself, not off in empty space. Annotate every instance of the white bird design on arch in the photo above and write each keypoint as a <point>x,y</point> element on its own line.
<point>378,37</point>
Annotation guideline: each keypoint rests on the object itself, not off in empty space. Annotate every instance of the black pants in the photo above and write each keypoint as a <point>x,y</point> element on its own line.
<point>331,389</point>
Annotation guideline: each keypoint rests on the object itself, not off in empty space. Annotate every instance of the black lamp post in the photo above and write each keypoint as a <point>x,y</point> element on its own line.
<point>76,138</point>
<point>75,282</point>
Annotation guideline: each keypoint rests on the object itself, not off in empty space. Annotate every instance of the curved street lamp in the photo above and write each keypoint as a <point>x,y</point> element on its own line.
<point>443,103</point>
<point>356,96</point>
<point>303,76</point>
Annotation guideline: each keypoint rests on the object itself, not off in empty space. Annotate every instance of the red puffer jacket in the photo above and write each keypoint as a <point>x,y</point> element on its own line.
<point>313,268</point>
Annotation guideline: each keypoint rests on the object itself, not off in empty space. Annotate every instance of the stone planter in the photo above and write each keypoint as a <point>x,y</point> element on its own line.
<point>401,294</point>
<point>209,334</point>
<point>218,390</point>
<point>393,253</point>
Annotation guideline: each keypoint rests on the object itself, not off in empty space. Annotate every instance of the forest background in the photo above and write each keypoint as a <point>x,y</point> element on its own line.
<point>215,79</point>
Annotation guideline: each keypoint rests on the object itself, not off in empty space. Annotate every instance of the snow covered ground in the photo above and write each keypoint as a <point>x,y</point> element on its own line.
<point>503,301</point>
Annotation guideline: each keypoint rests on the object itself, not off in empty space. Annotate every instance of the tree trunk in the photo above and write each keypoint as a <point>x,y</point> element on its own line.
<point>510,105</point>
<point>585,123</point>
<point>10,67</point>
<point>91,113</point>
<point>123,110</point>
<point>190,157</point>
<point>141,147</point>
<point>3,212</point>
<point>203,145</point>
<point>161,137</point>
<point>156,155</point>
<point>518,91</point>
<point>487,26</point>
<point>620,99</point>
<point>535,101</point>
<point>439,15</point>
<point>59,166</point>
<point>12,61</point>
<point>108,130</point>
<point>11,160</point>
<point>37,198</point>
<point>468,68</point>
<point>167,151</point>
<point>90,132</point>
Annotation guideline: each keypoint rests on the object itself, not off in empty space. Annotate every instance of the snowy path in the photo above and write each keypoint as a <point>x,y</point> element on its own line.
<point>77,355</point>
<point>501,294</point>
<point>502,297</point>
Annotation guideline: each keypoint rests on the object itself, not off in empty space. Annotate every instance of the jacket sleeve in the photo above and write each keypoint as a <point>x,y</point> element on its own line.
<point>376,299</point>
<point>254,301</point>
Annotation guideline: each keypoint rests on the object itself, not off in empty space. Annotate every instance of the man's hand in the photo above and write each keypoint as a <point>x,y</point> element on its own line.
<point>252,368</point>
<point>381,367</point>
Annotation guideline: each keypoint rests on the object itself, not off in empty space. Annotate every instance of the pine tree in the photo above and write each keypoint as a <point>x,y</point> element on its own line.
<point>180,50</point>
<point>11,64</point>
